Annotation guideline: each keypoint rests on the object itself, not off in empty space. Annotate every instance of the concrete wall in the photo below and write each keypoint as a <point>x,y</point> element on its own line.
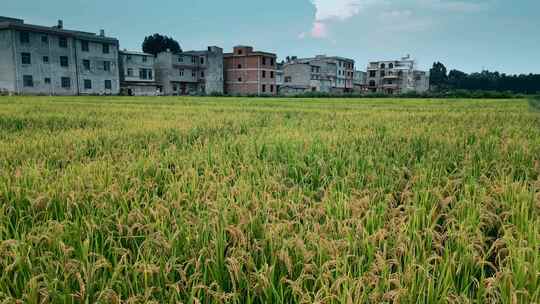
<point>188,73</point>
<point>40,70</point>
<point>134,85</point>
<point>297,74</point>
<point>7,64</point>
<point>214,71</point>
<point>97,74</point>
<point>45,68</point>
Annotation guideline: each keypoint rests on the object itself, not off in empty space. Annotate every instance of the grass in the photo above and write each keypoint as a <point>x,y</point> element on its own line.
<point>228,200</point>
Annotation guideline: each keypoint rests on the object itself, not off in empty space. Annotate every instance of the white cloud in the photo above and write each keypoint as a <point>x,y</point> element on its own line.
<point>329,10</point>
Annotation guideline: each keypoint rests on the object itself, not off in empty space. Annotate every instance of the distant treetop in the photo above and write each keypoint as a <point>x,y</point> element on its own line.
<point>157,43</point>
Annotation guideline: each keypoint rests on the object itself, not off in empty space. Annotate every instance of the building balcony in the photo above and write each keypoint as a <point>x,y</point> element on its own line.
<point>391,77</point>
<point>390,85</point>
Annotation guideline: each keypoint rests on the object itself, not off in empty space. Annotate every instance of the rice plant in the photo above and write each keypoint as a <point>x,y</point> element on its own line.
<point>239,200</point>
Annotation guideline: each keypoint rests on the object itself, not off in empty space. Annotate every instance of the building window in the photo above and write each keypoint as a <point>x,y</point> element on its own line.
<point>391,66</point>
<point>130,72</point>
<point>45,39</point>
<point>150,76</point>
<point>263,74</point>
<point>45,59</point>
<point>64,62</point>
<point>264,88</point>
<point>288,79</point>
<point>180,59</point>
<point>66,82</point>
<point>28,81</point>
<point>144,59</point>
<point>24,37</point>
<point>202,60</point>
<point>264,61</point>
<point>181,72</point>
<point>272,61</point>
<point>193,59</point>
<point>142,74</point>
<point>26,58</point>
<point>202,74</point>
<point>47,81</point>
<point>239,52</point>
<point>372,83</point>
<point>272,74</point>
<point>62,42</point>
<point>383,74</point>
<point>87,84</point>
<point>239,66</point>
<point>108,85</point>
<point>105,48</point>
<point>193,74</point>
<point>86,64</point>
<point>240,79</point>
<point>84,46</point>
<point>383,66</point>
<point>372,73</point>
<point>106,66</point>
<point>272,88</point>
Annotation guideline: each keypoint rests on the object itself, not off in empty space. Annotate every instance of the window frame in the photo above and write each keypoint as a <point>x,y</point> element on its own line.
<point>28,81</point>
<point>65,82</point>
<point>85,46</point>
<point>26,58</point>
<point>24,37</point>
<point>66,64</point>
<point>87,83</point>
<point>63,42</point>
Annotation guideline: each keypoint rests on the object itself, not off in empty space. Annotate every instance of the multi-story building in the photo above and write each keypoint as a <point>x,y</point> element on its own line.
<point>360,82</point>
<point>54,61</point>
<point>137,74</point>
<point>279,77</point>
<point>250,72</point>
<point>395,77</point>
<point>319,74</point>
<point>190,73</point>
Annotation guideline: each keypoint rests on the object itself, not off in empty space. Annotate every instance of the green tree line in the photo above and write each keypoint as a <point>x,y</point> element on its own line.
<point>442,80</point>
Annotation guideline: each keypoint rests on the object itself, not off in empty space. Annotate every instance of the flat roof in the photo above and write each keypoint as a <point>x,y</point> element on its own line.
<point>137,53</point>
<point>18,24</point>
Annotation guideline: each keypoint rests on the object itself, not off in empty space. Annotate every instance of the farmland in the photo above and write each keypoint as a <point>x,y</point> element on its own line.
<point>229,200</point>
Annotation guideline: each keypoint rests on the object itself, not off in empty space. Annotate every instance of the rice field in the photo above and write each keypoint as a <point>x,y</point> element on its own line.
<point>230,200</point>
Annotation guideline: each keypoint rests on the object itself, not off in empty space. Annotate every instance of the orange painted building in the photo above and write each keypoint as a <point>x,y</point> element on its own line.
<point>249,72</point>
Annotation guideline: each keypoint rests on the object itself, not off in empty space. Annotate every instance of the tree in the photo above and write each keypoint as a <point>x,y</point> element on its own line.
<point>437,76</point>
<point>456,79</point>
<point>157,43</point>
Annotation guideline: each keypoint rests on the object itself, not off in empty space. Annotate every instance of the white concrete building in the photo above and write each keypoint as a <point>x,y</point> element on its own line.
<point>51,60</point>
<point>137,74</point>
<point>396,77</point>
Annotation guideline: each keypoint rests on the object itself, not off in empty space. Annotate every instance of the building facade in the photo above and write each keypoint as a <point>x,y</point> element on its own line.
<point>137,74</point>
<point>360,82</point>
<point>190,73</point>
<point>54,61</point>
<point>396,77</point>
<point>319,74</point>
<point>249,72</point>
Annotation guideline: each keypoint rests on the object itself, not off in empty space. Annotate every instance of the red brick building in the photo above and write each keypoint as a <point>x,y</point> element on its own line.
<point>250,72</point>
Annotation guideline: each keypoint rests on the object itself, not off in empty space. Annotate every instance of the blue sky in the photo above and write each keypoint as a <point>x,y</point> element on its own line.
<point>469,35</point>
